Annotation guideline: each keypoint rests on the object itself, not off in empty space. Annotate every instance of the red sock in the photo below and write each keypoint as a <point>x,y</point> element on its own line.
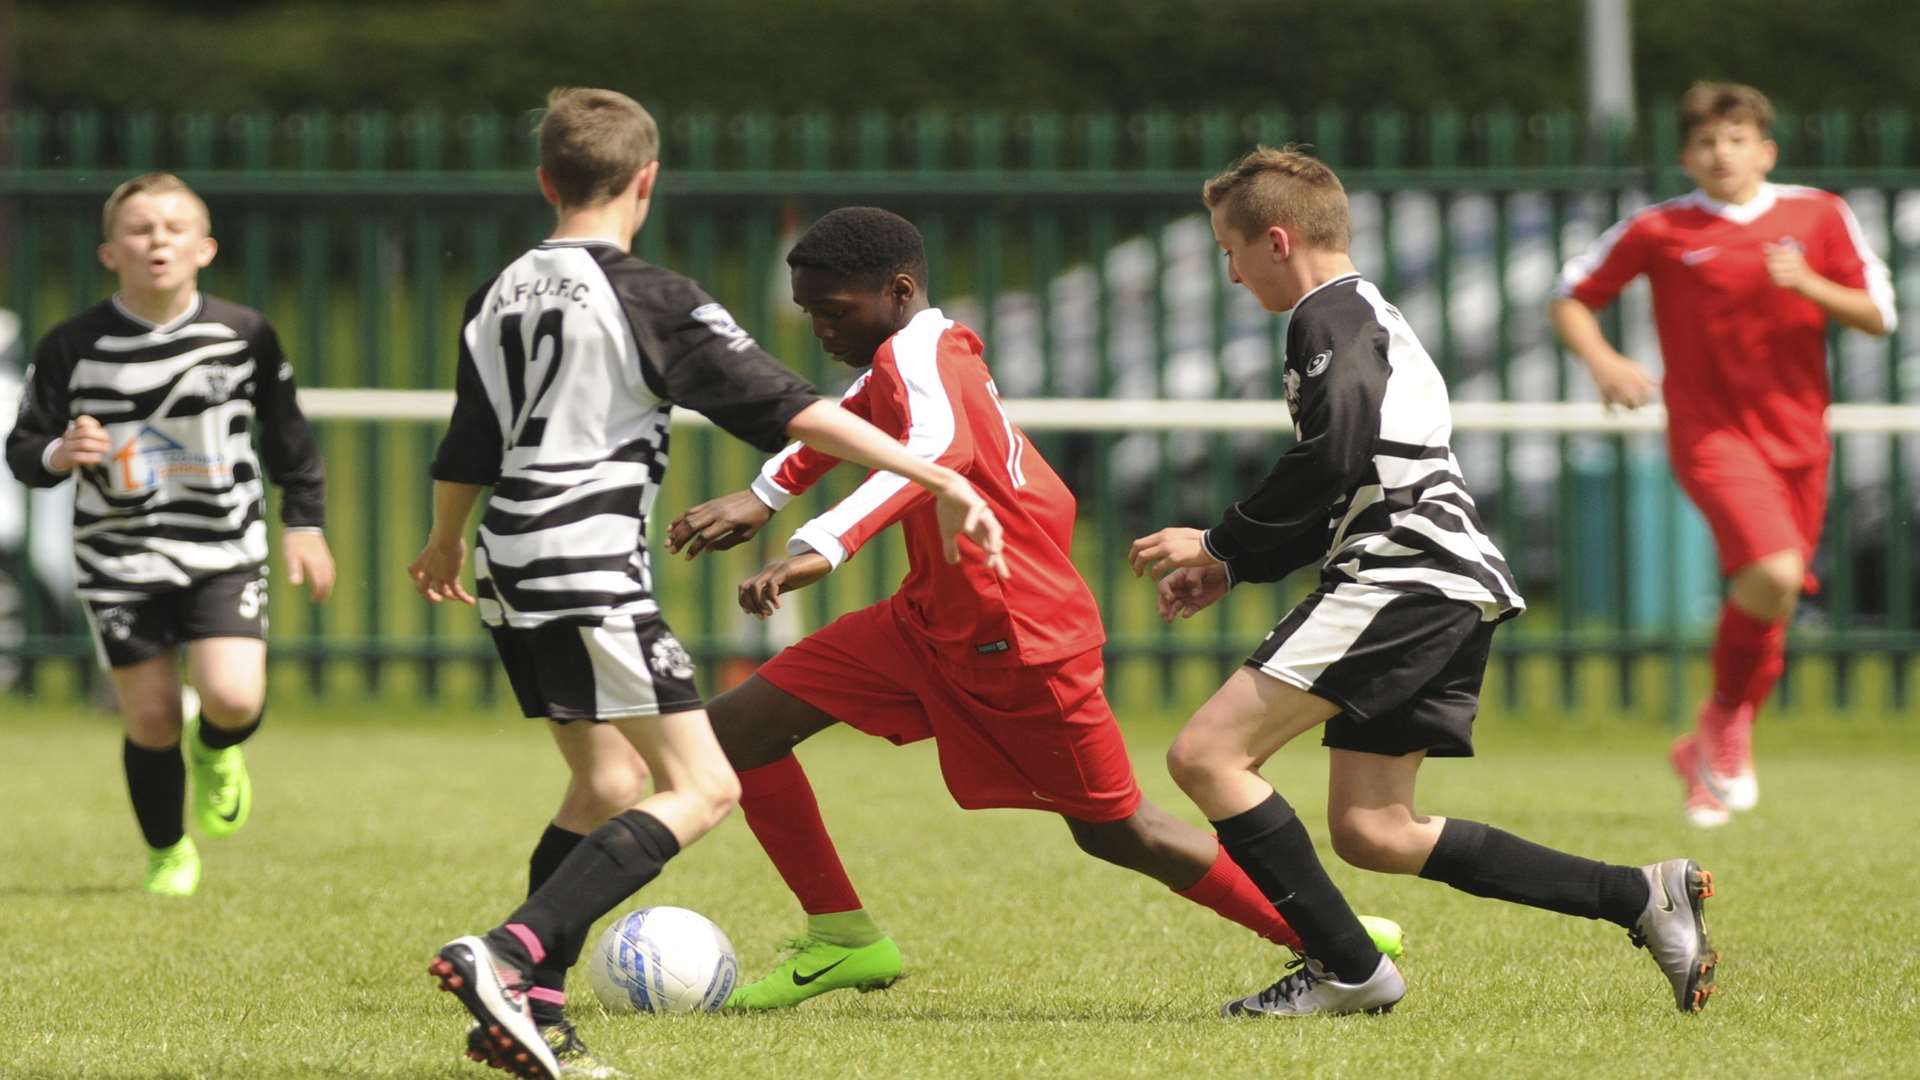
<point>1748,655</point>
<point>1232,895</point>
<point>781,810</point>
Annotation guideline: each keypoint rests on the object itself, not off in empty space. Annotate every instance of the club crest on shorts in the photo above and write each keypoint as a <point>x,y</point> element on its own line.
<point>669,659</point>
<point>116,622</point>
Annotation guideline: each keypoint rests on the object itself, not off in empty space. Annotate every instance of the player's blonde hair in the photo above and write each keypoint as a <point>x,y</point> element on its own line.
<point>593,142</point>
<point>1284,187</point>
<point>1705,102</point>
<point>153,183</point>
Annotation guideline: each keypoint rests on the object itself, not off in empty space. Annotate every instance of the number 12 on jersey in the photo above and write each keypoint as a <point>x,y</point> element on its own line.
<point>516,353</point>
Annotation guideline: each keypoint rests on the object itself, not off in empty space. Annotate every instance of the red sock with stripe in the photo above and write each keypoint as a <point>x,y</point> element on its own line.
<point>1230,893</point>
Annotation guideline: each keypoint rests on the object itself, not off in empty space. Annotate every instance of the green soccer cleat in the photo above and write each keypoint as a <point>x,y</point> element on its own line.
<point>817,967</point>
<point>222,791</point>
<point>173,871</point>
<point>1386,936</point>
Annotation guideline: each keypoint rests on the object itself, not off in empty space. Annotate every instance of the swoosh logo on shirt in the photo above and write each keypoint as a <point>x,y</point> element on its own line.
<point>1698,255</point>
<point>802,980</point>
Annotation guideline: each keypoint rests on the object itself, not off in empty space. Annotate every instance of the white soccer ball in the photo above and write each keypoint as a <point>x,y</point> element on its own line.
<point>663,960</point>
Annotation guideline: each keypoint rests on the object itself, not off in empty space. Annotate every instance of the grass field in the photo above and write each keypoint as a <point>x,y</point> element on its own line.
<point>377,836</point>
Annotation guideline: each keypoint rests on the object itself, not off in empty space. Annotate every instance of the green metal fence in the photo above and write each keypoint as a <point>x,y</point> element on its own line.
<point>1074,245</point>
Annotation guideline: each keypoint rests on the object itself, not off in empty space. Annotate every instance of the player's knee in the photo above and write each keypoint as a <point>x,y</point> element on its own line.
<point>152,723</point>
<point>606,791</point>
<point>719,793</point>
<point>230,706</point>
<point>1113,842</point>
<point>1369,841</point>
<point>1192,763</point>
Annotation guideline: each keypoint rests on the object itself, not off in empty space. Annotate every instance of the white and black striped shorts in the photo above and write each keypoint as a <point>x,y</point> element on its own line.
<point>622,667</point>
<point>1404,667</point>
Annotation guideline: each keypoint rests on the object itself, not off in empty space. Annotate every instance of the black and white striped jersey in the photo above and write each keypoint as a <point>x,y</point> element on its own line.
<point>571,360</point>
<point>1371,489</point>
<point>180,497</point>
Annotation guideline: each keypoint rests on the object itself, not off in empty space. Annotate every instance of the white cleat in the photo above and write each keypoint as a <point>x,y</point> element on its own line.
<point>496,995</point>
<point>1310,988</point>
<point>1739,792</point>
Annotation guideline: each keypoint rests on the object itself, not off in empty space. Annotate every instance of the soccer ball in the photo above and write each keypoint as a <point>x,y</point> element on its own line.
<point>663,960</point>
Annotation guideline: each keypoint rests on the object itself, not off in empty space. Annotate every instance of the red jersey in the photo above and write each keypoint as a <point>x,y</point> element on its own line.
<point>1741,353</point>
<point>929,387</point>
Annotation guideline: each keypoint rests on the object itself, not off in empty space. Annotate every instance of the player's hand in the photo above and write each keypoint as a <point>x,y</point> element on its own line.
<point>1787,266</point>
<point>1623,382</point>
<point>436,573</point>
<point>1190,589</point>
<point>309,562</point>
<point>760,594</point>
<point>84,442</point>
<point>964,513</point>
<point>1169,549</point>
<point>718,524</point>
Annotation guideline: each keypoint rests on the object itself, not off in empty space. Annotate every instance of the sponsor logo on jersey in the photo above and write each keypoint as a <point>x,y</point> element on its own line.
<point>150,456</point>
<point>720,321</point>
<point>1319,363</point>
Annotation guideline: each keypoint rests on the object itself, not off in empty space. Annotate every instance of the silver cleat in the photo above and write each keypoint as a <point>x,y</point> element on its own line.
<point>1310,988</point>
<point>1674,929</point>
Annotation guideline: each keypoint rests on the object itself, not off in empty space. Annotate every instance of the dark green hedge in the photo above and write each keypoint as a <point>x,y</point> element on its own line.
<point>461,55</point>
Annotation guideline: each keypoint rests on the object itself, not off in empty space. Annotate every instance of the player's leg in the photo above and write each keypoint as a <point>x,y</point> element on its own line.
<point>224,623</point>
<point>848,667</point>
<point>136,643</point>
<point>230,675</point>
<point>148,692</point>
<point>1371,815</point>
<point>1766,524</point>
<point>1216,760</point>
<point>637,678</point>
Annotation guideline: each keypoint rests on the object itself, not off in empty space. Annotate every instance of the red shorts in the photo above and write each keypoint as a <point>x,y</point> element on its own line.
<point>1753,507</point>
<point>1032,738</point>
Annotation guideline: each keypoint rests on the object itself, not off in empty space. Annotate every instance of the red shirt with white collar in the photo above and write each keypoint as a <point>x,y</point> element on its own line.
<point>930,388</point>
<point>1742,353</point>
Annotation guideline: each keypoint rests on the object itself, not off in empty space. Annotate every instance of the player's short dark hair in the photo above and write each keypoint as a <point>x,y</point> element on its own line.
<point>862,244</point>
<point>1705,102</point>
<point>1285,187</point>
<point>593,142</point>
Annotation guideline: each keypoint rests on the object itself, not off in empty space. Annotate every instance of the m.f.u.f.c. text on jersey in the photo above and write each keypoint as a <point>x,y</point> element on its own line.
<point>1371,489</point>
<point>571,360</point>
<point>179,498</point>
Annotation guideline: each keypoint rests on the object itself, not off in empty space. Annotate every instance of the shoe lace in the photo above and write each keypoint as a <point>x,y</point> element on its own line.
<point>1302,973</point>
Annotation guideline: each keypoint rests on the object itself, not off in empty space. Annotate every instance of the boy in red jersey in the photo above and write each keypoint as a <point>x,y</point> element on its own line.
<point>1745,275</point>
<point>1004,676</point>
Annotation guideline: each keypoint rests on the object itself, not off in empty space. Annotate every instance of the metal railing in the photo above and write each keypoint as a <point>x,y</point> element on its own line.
<point>1076,247</point>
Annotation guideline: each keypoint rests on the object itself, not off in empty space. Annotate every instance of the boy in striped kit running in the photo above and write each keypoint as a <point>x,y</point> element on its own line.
<point>150,399</point>
<point>1387,654</point>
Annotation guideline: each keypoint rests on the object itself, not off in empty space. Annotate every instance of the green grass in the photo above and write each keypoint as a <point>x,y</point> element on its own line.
<point>378,836</point>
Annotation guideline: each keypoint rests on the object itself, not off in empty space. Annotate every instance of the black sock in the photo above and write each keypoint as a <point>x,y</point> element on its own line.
<point>218,738</point>
<point>612,863</point>
<point>1269,842</point>
<point>1486,861</point>
<point>550,1007</point>
<point>157,781</point>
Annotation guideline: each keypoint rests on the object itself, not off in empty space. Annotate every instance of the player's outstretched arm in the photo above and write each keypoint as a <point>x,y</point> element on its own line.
<point>760,594</point>
<point>718,524</point>
<point>1620,380</point>
<point>832,430</point>
<point>436,572</point>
